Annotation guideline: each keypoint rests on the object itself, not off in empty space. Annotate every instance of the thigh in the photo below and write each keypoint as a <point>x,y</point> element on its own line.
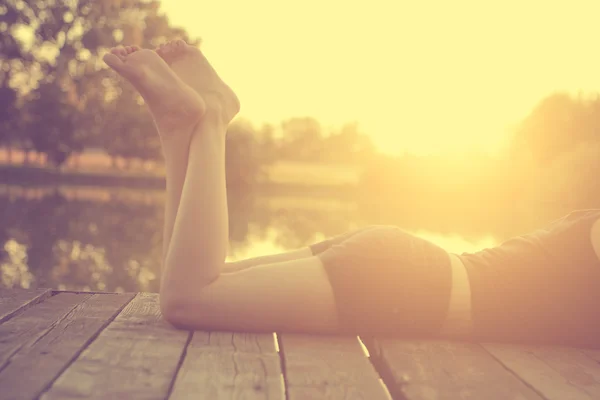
<point>290,296</point>
<point>388,281</point>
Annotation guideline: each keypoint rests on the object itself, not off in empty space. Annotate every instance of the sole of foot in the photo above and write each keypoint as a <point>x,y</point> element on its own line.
<point>190,64</point>
<point>174,105</point>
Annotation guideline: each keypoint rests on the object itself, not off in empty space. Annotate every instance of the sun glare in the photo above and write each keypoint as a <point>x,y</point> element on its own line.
<point>423,76</point>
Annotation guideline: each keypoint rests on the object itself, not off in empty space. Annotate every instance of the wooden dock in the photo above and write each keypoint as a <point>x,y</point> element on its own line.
<point>64,345</point>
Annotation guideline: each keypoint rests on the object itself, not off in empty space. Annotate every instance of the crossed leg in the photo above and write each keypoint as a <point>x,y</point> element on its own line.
<point>293,295</point>
<point>184,61</point>
<point>187,62</point>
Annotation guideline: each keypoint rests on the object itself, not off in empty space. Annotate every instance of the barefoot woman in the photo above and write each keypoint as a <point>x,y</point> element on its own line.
<point>542,287</point>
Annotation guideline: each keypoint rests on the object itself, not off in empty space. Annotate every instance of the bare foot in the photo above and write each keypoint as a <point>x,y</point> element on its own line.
<point>193,68</point>
<point>174,105</point>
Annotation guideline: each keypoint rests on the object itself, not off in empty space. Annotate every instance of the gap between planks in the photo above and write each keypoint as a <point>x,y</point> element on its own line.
<point>13,302</point>
<point>48,337</point>
<point>424,369</point>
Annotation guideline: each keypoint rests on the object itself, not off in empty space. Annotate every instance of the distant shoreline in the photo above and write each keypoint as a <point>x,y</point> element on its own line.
<point>36,176</point>
<point>26,175</point>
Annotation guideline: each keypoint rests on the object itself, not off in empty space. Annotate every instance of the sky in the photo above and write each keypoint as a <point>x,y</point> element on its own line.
<point>420,76</point>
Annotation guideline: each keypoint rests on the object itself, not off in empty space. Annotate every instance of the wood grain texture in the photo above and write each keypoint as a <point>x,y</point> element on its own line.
<point>34,323</point>
<point>446,371</point>
<point>38,362</point>
<point>135,357</point>
<point>558,373</point>
<point>327,367</point>
<point>224,365</point>
<point>14,301</point>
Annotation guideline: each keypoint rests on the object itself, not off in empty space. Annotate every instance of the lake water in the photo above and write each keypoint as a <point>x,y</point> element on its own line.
<point>109,239</point>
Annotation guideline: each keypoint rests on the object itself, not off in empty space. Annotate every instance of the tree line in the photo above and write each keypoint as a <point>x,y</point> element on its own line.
<point>549,167</point>
<point>57,98</point>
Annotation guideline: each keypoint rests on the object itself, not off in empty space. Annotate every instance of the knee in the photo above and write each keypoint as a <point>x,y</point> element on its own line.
<point>184,302</point>
<point>182,305</point>
<point>172,308</point>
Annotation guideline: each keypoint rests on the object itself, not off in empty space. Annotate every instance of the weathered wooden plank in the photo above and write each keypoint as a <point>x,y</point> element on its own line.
<point>557,373</point>
<point>322,367</point>
<point>13,301</point>
<point>33,323</point>
<point>223,365</point>
<point>135,357</point>
<point>419,370</point>
<point>39,362</point>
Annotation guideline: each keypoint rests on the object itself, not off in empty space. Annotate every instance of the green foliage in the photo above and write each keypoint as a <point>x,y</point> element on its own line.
<point>57,96</point>
<point>557,125</point>
<point>128,130</point>
<point>8,109</point>
<point>303,139</point>
<point>50,127</point>
<point>552,169</point>
<point>242,162</point>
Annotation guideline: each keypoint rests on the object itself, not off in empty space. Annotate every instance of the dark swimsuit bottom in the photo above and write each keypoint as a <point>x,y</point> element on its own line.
<point>542,288</point>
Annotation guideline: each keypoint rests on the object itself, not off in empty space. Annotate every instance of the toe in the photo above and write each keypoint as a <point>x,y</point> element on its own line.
<point>170,51</point>
<point>113,60</point>
<point>179,43</point>
<point>132,49</point>
<point>117,62</point>
<point>169,46</point>
<point>119,51</point>
<point>160,50</point>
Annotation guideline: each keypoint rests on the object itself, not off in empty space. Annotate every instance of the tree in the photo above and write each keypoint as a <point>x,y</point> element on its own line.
<point>50,125</point>
<point>8,115</point>
<point>128,130</point>
<point>243,162</point>
<point>301,140</point>
<point>60,44</point>
<point>12,61</point>
<point>556,125</point>
<point>348,145</point>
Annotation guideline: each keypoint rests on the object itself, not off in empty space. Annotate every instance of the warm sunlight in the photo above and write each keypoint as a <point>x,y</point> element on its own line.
<point>425,76</point>
<point>328,198</point>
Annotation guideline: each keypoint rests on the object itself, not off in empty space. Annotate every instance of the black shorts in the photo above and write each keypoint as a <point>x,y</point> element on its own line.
<point>387,281</point>
<point>543,287</point>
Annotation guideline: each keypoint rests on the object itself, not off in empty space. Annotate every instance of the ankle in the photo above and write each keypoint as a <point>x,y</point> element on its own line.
<point>214,120</point>
<point>222,107</point>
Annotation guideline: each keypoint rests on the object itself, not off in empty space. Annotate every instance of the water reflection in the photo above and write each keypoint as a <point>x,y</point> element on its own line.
<point>102,239</point>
